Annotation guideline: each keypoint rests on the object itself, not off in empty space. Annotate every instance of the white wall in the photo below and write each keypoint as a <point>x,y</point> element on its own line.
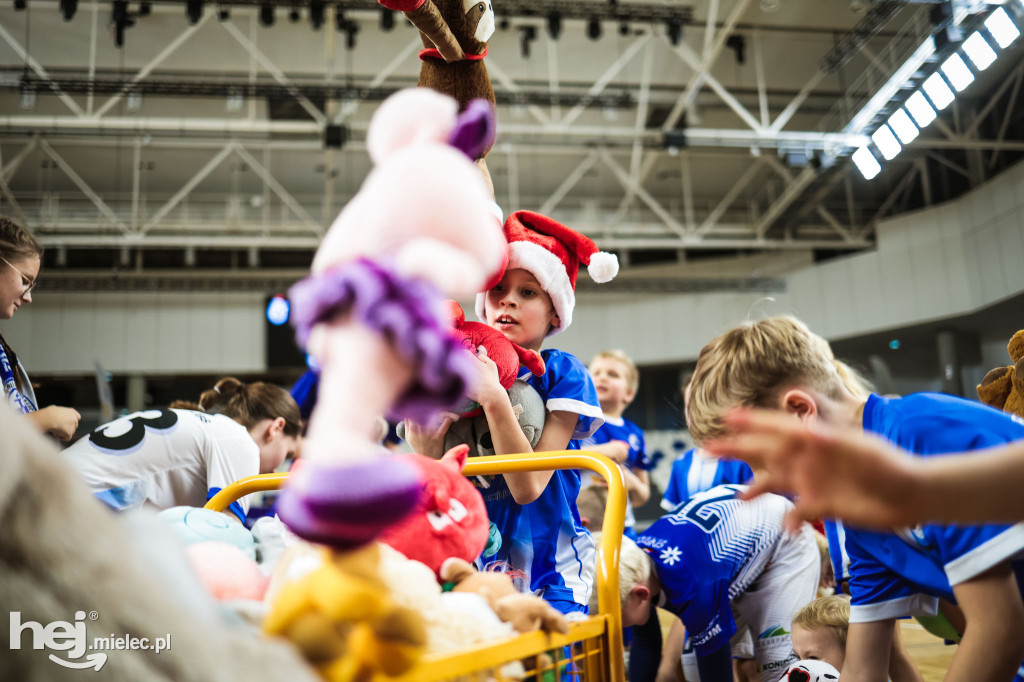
<point>157,333</point>
<point>935,263</point>
<point>940,262</point>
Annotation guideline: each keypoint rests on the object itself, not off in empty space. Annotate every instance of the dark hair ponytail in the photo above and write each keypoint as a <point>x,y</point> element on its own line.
<point>248,404</point>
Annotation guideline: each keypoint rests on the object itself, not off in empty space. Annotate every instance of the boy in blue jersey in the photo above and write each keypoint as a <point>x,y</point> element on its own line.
<point>616,380</point>
<point>694,472</point>
<point>543,541</point>
<point>725,567</point>
<point>779,364</point>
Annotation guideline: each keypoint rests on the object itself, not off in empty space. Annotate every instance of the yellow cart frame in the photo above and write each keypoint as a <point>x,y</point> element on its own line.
<point>595,643</point>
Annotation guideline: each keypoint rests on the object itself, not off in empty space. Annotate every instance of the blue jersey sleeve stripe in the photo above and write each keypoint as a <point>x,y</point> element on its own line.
<point>581,408</point>
<point>911,605</point>
<point>235,508</point>
<point>985,556</point>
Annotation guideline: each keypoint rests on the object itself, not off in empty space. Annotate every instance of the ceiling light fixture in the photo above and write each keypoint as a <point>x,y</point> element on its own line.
<point>980,52</point>
<point>922,112</point>
<point>886,142</point>
<point>957,72</point>
<point>1002,28</point>
<point>903,127</point>
<point>866,163</point>
<point>938,91</point>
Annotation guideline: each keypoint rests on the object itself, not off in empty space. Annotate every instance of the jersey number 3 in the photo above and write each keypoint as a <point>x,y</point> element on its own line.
<point>133,436</point>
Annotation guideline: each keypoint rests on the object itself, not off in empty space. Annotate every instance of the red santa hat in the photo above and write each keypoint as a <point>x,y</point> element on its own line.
<point>552,253</point>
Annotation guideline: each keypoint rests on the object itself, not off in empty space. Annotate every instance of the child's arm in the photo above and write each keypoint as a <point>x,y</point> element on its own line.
<point>615,450</point>
<point>638,486</point>
<point>59,422</point>
<point>864,480</point>
<point>901,667</point>
<point>993,642</point>
<point>671,668</point>
<point>508,437</point>
<point>867,651</point>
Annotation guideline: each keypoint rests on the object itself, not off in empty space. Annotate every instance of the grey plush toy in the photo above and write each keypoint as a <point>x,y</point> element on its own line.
<point>528,408</point>
<point>474,432</point>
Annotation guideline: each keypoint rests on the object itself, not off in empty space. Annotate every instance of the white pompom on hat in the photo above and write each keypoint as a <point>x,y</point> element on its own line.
<point>553,253</point>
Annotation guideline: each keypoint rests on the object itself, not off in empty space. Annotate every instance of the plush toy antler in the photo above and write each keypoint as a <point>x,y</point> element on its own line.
<point>455,35</point>
<point>425,16</point>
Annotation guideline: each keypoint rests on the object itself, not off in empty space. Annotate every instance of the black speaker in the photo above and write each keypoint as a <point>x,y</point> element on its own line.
<point>281,349</point>
<point>335,136</point>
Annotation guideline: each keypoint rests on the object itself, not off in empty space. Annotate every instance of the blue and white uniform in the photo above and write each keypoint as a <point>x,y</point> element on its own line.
<point>165,458</point>
<point>903,573</point>
<point>619,428</point>
<point>544,543</point>
<point>727,568</point>
<point>694,472</point>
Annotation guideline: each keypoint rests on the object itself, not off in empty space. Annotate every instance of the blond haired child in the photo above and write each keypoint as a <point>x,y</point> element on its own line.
<point>725,568</point>
<point>779,364</point>
<point>819,633</point>
<point>543,541</point>
<point>819,630</point>
<point>616,379</point>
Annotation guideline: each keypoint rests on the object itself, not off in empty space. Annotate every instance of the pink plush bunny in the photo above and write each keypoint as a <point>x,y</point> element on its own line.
<point>423,227</point>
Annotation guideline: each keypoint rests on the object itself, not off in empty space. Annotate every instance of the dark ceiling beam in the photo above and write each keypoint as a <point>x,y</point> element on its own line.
<point>567,9</point>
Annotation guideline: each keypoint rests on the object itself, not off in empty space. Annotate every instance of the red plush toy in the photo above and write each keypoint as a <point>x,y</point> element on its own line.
<point>451,520</point>
<point>483,340</point>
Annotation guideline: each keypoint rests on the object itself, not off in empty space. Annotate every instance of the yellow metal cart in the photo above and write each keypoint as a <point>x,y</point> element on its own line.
<point>595,643</point>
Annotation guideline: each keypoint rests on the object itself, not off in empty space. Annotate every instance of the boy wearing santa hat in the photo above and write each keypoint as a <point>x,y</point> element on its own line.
<point>543,541</point>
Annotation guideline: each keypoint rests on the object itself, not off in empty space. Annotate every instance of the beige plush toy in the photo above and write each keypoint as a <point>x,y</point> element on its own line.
<point>1003,387</point>
<point>71,572</point>
<point>526,612</point>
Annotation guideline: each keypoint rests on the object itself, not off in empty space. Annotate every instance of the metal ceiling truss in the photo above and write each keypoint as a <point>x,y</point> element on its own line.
<point>633,12</point>
<point>253,279</point>
<point>629,152</point>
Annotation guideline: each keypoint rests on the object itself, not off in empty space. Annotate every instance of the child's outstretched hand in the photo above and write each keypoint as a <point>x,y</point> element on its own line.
<point>846,475</point>
<point>429,440</point>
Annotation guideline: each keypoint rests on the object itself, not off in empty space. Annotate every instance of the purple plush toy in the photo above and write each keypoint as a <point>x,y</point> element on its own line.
<point>422,228</point>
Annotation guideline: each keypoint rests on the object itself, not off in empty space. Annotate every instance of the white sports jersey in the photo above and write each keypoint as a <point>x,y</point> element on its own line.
<point>165,458</point>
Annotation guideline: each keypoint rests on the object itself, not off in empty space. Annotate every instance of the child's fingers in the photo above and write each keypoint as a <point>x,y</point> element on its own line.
<point>795,518</point>
<point>771,426</point>
<point>758,488</point>
<point>734,446</point>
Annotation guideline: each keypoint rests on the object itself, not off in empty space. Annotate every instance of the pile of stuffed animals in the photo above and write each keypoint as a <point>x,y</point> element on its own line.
<point>372,565</point>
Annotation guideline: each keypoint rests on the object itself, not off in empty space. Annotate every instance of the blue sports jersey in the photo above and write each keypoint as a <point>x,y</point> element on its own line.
<point>544,541</point>
<point>694,472</point>
<point>900,573</point>
<point>708,553</point>
<point>618,428</point>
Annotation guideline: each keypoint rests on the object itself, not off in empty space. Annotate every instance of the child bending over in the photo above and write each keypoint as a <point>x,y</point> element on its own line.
<point>164,458</point>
